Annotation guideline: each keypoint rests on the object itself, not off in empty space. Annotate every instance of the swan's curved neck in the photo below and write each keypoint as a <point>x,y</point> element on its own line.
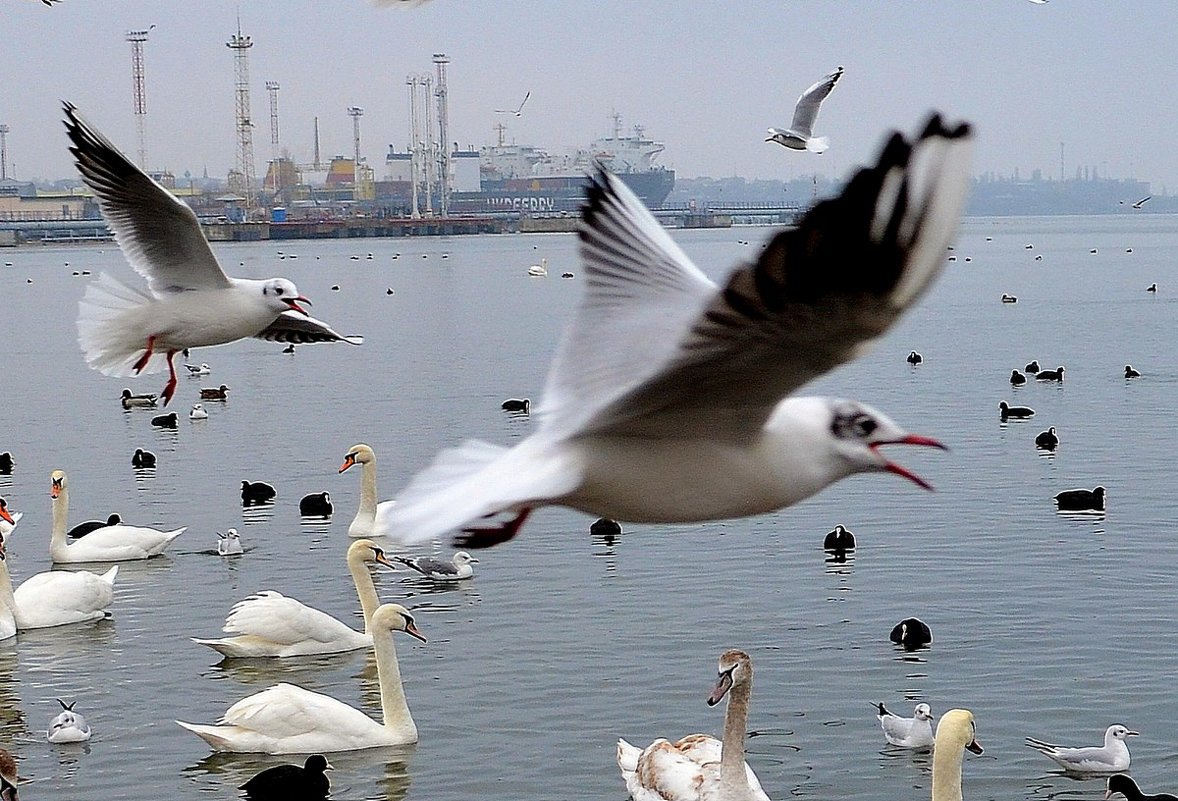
<point>61,511</point>
<point>732,774</point>
<point>947,773</point>
<point>365,589</point>
<point>367,491</point>
<point>392,694</point>
<point>7,599</point>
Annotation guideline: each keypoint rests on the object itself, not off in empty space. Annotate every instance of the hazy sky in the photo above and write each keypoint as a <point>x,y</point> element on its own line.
<point>706,78</point>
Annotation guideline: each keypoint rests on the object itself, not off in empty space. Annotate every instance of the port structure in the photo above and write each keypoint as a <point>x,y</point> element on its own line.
<point>243,182</point>
<point>139,89</point>
<point>272,88</point>
<point>355,112</point>
<point>441,61</point>
<point>4,129</point>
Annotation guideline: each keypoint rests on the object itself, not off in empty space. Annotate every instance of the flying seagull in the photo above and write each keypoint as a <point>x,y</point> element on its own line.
<point>1142,202</point>
<point>517,112</point>
<point>191,302</point>
<point>798,135</point>
<point>669,398</point>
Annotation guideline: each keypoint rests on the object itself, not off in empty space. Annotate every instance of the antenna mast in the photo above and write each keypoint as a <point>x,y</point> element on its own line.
<point>240,46</point>
<point>139,92</point>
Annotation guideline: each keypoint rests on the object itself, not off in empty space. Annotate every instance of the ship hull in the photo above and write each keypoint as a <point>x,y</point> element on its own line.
<point>554,194</point>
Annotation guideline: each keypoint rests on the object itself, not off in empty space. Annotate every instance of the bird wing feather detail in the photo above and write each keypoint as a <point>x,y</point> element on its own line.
<point>158,233</point>
<point>816,297</point>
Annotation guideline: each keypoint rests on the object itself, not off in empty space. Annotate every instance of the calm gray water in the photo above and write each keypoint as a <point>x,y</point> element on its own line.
<point>1044,625</point>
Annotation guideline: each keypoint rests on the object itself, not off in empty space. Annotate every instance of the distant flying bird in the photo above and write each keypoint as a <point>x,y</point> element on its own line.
<point>1039,2</point>
<point>191,301</point>
<point>798,135</point>
<point>669,398</point>
<point>1142,202</point>
<point>518,111</point>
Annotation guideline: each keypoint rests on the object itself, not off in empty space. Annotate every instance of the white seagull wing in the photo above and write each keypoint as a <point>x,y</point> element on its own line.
<point>641,292</point>
<point>158,233</point>
<point>300,329</point>
<point>679,363</point>
<point>806,111</point>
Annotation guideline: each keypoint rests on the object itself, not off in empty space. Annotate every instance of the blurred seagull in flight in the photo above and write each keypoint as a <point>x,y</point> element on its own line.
<point>190,301</point>
<point>518,111</point>
<point>669,397</point>
<point>798,136</point>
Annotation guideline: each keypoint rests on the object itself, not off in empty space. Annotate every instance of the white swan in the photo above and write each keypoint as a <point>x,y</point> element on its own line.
<point>955,733</point>
<point>52,598</point>
<point>270,624</point>
<point>285,719</point>
<point>370,517</point>
<point>539,270</point>
<point>108,544</point>
<point>700,767</point>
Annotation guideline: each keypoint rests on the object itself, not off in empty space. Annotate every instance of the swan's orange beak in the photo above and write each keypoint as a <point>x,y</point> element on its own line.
<point>411,630</point>
<point>4,513</point>
<point>55,489</point>
<point>349,460</point>
<point>973,747</point>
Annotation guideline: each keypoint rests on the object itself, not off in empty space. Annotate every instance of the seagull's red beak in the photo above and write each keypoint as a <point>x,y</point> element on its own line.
<point>294,305</point>
<point>910,439</point>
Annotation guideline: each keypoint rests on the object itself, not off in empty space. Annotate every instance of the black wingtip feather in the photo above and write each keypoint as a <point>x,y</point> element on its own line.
<point>596,195</point>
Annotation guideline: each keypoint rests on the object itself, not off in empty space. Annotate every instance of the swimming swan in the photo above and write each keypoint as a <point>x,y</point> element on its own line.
<point>270,624</point>
<point>285,719</point>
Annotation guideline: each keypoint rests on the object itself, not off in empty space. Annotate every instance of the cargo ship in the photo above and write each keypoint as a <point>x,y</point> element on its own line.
<point>521,179</point>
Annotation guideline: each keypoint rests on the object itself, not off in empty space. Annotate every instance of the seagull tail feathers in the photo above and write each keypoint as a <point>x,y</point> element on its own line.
<point>478,479</point>
<point>449,493</point>
<point>110,328</point>
<point>818,144</point>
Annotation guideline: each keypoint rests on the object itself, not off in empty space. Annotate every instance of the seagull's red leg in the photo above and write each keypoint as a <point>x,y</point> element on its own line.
<point>170,387</point>
<point>485,536</point>
<point>146,357</point>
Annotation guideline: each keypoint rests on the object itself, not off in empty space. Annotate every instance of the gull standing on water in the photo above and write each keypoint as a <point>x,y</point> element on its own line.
<point>667,400</point>
<point>191,302</point>
<point>798,135</point>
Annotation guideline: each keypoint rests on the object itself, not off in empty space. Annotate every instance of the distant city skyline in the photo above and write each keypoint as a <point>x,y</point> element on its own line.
<point>704,81</point>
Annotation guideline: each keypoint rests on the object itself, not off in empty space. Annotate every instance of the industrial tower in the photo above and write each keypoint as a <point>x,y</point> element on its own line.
<point>139,92</point>
<point>414,136</point>
<point>441,60</point>
<point>4,129</point>
<point>272,88</point>
<point>355,112</point>
<point>240,46</point>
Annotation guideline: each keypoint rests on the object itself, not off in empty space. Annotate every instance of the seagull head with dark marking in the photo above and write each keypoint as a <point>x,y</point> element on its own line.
<point>283,295</point>
<point>858,432</point>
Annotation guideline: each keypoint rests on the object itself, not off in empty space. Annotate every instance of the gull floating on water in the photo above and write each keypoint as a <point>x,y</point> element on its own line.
<point>69,726</point>
<point>1112,757</point>
<point>229,543</point>
<point>667,400</point>
<point>914,732</point>
<point>798,135</point>
<point>190,301</point>
<point>456,568</point>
